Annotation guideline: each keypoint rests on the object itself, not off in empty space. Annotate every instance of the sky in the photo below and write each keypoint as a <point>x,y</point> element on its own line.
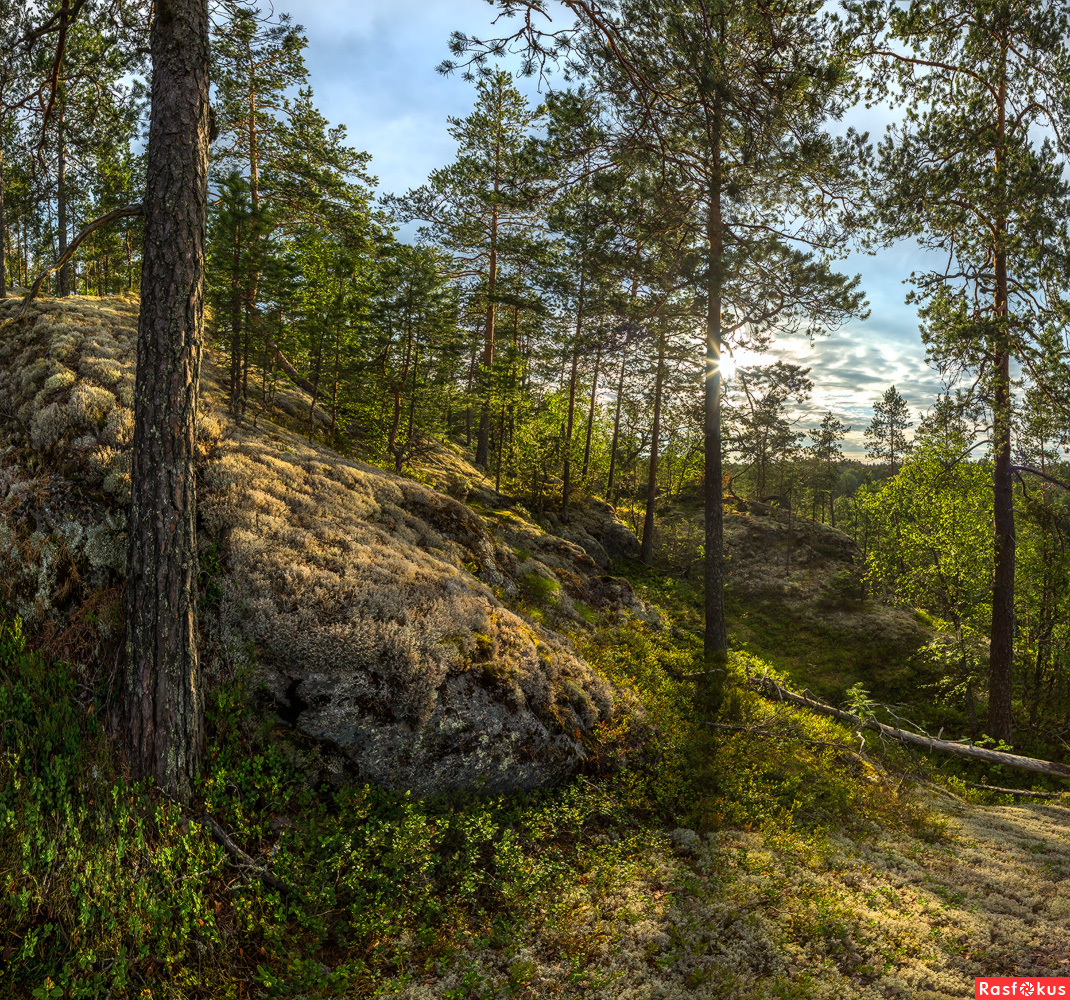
<point>372,67</point>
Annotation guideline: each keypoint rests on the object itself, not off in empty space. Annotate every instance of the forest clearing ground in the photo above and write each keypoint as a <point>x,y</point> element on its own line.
<point>776,857</point>
<point>764,852</point>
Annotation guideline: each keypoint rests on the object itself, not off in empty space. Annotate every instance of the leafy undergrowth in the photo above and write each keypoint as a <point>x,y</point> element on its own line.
<point>764,853</point>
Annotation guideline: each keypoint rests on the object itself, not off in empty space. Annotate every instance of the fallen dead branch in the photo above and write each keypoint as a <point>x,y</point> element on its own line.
<point>768,688</point>
<point>247,862</point>
<point>1014,791</point>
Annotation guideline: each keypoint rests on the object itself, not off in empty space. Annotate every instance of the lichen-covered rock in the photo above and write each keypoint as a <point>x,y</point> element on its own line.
<point>357,589</point>
<point>67,374</point>
<point>594,525</point>
<point>368,604</point>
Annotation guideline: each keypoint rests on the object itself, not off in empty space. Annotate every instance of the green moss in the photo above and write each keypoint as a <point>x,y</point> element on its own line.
<point>586,612</point>
<point>540,588</point>
<point>829,654</point>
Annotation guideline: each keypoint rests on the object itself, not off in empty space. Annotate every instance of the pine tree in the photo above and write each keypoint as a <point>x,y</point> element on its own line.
<point>164,706</point>
<point>762,430</point>
<point>93,112</point>
<point>255,62</point>
<point>827,454</point>
<point>971,175</point>
<point>737,109</point>
<point>885,434</point>
<point>733,96</point>
<point>482,207</point>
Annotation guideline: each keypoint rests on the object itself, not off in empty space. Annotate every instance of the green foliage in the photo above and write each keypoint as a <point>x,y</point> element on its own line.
<point>101,879</point>
<point>112,888</point>
<point>540,588</point>
<point>930,532</point>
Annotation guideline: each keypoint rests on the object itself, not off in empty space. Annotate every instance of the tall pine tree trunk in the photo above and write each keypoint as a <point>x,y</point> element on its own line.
<point>616,424</point>
<point>646,552</point>
<point>483,442</point>
<point>715,644</point>
<point>164,707</point>
<point>590,416</point>
<point>3,234</point>
<point>1001,648</point>
<point>63,280</point>
<point>566,476</point>
<point>236,310</point>
<point>832,493</point>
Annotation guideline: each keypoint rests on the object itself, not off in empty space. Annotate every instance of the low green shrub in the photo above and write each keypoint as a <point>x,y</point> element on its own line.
<point>112,890</point>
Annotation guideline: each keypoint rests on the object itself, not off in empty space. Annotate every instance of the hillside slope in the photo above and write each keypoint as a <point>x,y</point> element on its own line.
<point>765,853</point>
<point>369,605</point>
<point>795,595</point>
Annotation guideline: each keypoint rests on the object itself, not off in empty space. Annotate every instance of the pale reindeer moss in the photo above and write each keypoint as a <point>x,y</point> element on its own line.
<point>356,595</point>
<point>739,915</point>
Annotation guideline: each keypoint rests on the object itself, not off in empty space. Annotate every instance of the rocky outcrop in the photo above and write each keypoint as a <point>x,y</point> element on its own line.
<point>772,550</point>
<point>594,525</point>
<point>370,608</point>
<point>807,579</point>
<point>370,603</point>
<point>768,550</point>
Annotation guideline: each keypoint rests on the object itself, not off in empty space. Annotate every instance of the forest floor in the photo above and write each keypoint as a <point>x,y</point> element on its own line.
<point>762,852</point>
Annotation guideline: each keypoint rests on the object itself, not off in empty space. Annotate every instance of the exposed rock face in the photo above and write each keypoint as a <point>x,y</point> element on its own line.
<point>369,604</point>
<point>595,526</point>
<point>66,376</point>
<point>770,550</point>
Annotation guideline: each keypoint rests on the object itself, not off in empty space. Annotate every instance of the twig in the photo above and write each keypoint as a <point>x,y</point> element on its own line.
<point>940,790</point>
<point>233,849</point>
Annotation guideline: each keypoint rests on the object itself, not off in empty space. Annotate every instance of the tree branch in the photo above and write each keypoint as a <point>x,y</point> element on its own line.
<point>246,862</point>
<point>115,213</point>
<point>774,692</point>
<point>1043,475</point>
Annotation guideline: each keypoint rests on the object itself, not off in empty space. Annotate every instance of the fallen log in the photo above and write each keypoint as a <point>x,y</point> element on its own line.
<point>768,688</point>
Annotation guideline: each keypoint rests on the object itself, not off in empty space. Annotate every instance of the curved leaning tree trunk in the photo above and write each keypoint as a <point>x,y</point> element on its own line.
<point>163,699</point>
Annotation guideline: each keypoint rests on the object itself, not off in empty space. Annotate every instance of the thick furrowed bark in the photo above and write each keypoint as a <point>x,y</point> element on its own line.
<point>616,423</point>
<point>164,701</point>
<point>3,235</point>
<point>590,416</point>
<point>1001,646</point>
<point>566,474</point>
